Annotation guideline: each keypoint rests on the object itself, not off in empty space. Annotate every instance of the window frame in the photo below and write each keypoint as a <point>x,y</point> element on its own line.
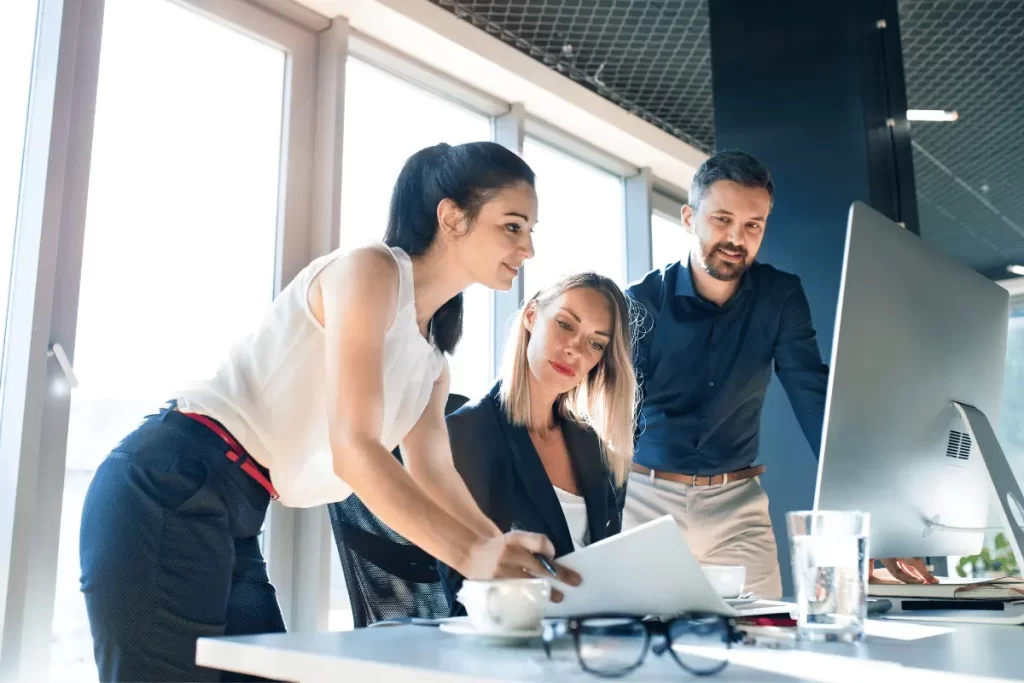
<point>667,206</point>
<point>588,155</point>
<point>388,59</point>
<point>577,148</point>
<point>44,299</point>
<point>57,146</point>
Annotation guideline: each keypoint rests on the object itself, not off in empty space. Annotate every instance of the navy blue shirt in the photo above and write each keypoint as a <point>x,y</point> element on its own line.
<point>704,369</point>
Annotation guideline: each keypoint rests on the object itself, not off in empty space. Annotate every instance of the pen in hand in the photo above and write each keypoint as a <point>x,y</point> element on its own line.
<point>544,562</point>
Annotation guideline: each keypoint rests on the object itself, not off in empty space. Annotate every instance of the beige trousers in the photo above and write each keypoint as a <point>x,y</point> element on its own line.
<point>723,525</point>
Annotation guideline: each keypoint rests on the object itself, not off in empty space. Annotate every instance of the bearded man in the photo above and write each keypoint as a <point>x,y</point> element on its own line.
<point>712,325</point>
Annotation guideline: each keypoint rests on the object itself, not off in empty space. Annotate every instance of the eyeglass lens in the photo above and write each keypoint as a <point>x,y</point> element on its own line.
<point>700,645</point>
<point>611,646</point>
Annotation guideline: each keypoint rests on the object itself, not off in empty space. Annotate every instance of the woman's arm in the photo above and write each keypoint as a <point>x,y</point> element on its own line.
<point>428,456</point>
<point>358,294</point>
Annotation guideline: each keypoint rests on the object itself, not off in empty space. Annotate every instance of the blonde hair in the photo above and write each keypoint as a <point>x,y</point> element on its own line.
<point>606,399</point>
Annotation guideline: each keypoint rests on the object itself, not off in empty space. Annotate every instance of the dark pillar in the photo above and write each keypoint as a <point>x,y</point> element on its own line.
<point>815,91</point>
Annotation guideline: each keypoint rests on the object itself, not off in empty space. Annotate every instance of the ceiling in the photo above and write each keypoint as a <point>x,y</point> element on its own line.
<point>652,57</point>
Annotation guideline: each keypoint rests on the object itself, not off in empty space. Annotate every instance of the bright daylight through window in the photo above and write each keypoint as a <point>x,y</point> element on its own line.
<point>189,219</point>
<point>580,219</point>
<point>669,243</point>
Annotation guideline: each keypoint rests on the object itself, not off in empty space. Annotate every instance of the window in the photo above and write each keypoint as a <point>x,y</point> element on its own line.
<point>470,366</point>
<point>180,240</point>
<point>669,243</point>
<point>386,120</point>
<point>17,36</point>
<point>580,219</point>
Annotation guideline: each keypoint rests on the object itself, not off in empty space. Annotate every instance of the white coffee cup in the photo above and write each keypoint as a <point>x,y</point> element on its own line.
<point>505,604</point>
<point>728,581</point>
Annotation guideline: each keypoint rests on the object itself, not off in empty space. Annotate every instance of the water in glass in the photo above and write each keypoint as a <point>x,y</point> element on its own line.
<point>830,575</point>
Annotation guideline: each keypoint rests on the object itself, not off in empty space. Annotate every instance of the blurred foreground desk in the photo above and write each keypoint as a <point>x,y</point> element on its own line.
<point>897,651</point>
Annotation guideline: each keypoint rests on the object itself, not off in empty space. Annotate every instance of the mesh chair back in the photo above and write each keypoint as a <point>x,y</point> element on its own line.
<point>387,577</point>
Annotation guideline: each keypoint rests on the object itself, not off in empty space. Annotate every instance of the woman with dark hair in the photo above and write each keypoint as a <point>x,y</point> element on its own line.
<point>347,363</point>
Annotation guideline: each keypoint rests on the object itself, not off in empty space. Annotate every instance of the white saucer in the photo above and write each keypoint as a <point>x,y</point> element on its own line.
<point>465,628</point>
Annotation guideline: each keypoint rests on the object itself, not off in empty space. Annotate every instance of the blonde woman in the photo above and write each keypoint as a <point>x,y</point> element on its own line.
<point>549,448</point>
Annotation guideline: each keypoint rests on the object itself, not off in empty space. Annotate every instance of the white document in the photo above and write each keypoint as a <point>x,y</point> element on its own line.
<point>648,570</point>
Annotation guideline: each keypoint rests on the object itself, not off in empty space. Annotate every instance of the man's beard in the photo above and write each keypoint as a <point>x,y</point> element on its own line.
<point>716,266</point>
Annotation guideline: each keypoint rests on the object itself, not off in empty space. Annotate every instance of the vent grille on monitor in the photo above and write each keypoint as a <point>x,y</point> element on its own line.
<point>959,445</point>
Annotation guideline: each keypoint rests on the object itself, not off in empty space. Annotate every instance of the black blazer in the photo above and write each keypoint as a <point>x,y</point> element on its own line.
<point>504,473</point>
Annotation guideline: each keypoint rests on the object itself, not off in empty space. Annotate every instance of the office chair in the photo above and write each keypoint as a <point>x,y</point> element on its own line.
<point>387,577</point>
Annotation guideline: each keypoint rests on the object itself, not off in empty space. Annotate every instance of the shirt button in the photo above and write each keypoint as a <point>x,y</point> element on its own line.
<point>711,384</point>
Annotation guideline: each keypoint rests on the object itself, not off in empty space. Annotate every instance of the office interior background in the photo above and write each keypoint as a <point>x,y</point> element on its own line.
<point>167,165</point>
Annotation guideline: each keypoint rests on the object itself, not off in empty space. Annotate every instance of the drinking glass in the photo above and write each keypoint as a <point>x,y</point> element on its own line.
<point>829,551</point>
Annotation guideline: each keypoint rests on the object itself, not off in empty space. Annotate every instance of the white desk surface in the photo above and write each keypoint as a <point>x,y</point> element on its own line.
<point>423,653</point>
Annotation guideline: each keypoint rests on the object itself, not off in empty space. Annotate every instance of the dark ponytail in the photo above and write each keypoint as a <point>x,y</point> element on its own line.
<point>469,175</point>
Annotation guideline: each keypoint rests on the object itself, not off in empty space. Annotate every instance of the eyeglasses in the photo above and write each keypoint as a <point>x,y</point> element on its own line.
<point>613,645</point>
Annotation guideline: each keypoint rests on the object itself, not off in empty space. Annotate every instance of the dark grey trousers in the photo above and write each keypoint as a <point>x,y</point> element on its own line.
<point>170,553</point>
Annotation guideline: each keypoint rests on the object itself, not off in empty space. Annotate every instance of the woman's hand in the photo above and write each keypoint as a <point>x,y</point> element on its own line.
<point>511,556</point>
<point>902,570</point>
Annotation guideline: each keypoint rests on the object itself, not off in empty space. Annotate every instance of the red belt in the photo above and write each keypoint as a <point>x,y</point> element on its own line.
<point>236,453</point>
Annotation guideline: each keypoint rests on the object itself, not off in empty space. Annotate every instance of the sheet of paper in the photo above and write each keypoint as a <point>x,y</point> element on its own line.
<point>646,570</point>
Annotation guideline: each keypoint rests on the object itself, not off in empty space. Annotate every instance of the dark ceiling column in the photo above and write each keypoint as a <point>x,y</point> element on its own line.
<point>815,91</point>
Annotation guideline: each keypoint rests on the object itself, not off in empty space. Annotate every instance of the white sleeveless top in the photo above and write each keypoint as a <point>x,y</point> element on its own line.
<point>270,393</point>
<point>575,510</point>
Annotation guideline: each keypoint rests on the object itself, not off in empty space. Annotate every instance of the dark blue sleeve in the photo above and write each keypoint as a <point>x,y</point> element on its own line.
<point>799,366</point>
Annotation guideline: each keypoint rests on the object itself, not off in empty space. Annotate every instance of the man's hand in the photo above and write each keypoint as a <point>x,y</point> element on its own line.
<point>901,570</point>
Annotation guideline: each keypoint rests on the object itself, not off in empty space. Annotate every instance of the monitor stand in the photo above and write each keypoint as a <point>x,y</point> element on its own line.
<point>1011,500</point>
<point>1011,512</point>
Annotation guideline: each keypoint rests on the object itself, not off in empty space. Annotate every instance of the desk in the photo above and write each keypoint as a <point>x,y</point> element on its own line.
<point>421,653</point>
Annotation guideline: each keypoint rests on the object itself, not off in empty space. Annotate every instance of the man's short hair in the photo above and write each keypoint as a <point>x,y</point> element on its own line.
<point>734,165</point>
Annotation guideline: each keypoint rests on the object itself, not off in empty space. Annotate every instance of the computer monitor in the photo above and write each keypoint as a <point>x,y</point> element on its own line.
<point>917,366</point>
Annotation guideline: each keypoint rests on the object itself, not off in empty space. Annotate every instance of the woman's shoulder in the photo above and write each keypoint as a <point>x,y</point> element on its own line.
<point>373,264</point>
<point>472,415</point>
<point>365,276</point>
<point>479,446</point>
<point>477,421</point>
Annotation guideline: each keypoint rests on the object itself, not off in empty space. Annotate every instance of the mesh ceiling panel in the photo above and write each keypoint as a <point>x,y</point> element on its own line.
<point>652,57</point>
